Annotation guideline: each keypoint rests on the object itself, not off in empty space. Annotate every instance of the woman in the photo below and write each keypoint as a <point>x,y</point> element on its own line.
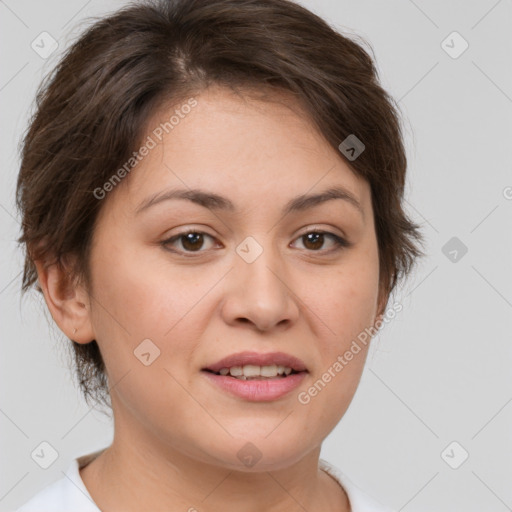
<point>211,198</point>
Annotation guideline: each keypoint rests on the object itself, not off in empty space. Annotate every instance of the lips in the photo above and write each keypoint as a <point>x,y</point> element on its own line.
<point>258,359</point>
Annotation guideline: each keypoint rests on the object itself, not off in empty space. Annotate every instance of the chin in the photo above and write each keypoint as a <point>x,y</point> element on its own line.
<point>254,453</point>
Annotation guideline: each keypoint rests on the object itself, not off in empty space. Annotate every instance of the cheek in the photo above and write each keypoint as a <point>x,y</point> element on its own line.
<point>346,301</point>
<point>143,296</point>
<point>345,306</point>
<point>351,308</point>
<point>136,300</point>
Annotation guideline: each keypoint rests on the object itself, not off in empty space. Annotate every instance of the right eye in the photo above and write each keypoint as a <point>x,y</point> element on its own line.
<point>191,241</point>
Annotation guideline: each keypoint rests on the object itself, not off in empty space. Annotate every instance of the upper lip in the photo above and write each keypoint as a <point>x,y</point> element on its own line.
<point>258,359</point>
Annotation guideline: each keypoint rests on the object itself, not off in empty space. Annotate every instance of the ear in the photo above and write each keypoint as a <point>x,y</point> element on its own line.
<point>67,300</point>
<point>381,303</point>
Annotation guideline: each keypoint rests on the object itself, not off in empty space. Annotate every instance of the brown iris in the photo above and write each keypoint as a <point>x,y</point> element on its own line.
<point>192,241</point>
<point>316,239</point>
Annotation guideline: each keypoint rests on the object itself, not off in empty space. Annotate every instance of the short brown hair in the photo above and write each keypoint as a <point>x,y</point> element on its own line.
<point>91,112</point>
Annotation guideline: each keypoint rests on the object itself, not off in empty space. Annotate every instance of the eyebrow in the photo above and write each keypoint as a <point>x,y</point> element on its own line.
<point>216,202</point>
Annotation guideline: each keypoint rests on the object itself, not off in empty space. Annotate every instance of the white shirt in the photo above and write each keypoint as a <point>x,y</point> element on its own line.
<point>69,492</point>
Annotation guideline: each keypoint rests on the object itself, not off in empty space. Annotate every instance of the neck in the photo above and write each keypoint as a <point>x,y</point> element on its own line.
<point>134,474</point>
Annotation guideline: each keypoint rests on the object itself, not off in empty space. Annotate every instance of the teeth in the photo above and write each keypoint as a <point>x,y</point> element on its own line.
<point>236,371</point>
<point>267,371</point>
<point>250,371</point>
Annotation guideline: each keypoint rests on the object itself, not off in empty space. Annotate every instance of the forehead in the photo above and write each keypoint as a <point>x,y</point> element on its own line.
<point>249,148</point>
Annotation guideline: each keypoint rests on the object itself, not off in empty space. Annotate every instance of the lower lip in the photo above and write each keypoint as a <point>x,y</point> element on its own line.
<point>257,390</point>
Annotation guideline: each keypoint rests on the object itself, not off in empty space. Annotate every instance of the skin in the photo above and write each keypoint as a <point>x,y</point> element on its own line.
<point>176,436</point>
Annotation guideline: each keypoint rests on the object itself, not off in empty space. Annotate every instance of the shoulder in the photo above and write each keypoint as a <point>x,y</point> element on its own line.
<point>67,493</point>
<point>359,501</point>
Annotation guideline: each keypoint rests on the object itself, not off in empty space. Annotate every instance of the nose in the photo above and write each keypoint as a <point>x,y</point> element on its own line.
<point>260,294</point>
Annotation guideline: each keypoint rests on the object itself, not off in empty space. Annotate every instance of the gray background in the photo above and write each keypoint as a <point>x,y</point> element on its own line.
<point>438,373</point>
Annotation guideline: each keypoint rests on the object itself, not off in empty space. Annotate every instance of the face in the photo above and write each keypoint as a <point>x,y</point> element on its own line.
<point>262,270</point>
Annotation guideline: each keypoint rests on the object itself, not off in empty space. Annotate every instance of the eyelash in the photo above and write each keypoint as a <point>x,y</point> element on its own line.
<point>340,243</point>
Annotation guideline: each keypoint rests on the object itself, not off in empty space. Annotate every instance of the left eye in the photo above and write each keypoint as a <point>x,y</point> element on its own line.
<point>314,240</point>
<point>193,241</point>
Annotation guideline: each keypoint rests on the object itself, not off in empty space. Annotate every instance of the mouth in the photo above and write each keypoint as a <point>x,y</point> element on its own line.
<point>257,377</point>
<point>254,365</point>
<point>254,372</point>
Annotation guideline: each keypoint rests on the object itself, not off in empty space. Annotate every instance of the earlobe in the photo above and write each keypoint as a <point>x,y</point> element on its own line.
<point>67,301</point>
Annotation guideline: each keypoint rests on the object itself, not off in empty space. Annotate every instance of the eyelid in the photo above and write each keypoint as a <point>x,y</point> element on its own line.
<point>331,230</point>
<point>174,238</point>
<point>340,241</point>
